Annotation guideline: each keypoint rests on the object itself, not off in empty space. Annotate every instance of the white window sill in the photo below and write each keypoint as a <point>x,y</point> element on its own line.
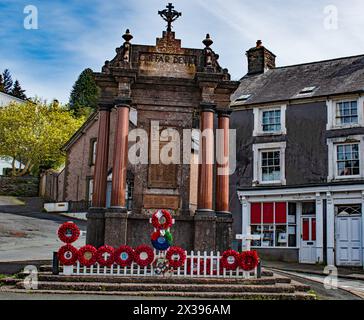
<point>341,178</point>
<point>268,183</point>
<point>270,133</point>
<point>348,126</point>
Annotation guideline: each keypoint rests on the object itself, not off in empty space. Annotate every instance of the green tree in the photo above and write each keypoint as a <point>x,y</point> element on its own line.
<point>33,133</point>
<point>1,83</point>
<point>84,94</point>
<point>7,80</point>
<point>17,91</point>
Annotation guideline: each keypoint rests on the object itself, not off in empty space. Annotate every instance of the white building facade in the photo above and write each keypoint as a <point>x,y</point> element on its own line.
<point>299,181</point>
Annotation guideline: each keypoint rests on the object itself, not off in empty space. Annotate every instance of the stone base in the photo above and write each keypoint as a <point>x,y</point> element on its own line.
<point>95,234</point>
<point>116,227</point>
<point>206,231</point>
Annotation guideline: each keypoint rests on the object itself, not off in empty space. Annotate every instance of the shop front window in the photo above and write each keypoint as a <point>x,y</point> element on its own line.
<point>275,223</point>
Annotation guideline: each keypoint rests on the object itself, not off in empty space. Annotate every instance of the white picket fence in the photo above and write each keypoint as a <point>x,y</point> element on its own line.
<point>199,264</point>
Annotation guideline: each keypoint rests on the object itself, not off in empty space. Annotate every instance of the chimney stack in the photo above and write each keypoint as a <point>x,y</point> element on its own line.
<point>260,59</point>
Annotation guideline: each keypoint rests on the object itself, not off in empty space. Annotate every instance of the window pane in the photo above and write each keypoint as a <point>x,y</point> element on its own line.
<point>347,112</point>
<point>268,232</point>
<point>281,236</point>
<point>271,120</point>
<point>271,170</point>
<point>348,159</point>
<point>256,230</point>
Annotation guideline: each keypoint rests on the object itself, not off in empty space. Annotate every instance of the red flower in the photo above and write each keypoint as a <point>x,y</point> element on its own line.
<point>67,255</point>
<point>124,256</point>
<point>155,235</point>
<point>68,232</point>
<point>87,255</point>
<point>181,257</point>
<point>102,252</point>
<point>249,260</point>
<point>230,260</point>
<point>149,255</point>
<point>162,225</point>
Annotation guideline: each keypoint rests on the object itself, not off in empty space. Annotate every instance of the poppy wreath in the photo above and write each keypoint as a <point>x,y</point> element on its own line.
<point>100,256</point>
<point>176,251</point>
<point>143,249</point>
<point>228,255</point>
<point>161,225</point>
<point>161,242</point>
<point>68,255</point>
<point>87,255</point>
<point>124,256</point>
<point>249,260</point>
<point>68,232</point>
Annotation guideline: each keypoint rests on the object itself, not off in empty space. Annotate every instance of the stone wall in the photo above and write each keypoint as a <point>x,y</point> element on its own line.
<point>19,186</point>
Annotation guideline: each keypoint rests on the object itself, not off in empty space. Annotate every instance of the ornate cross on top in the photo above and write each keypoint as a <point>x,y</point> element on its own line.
<point>169,15</point>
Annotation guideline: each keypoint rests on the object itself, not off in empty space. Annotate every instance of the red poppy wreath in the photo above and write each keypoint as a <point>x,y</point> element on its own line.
<point>230,260</point>
<point>67,255</point>
<point>68,232</point>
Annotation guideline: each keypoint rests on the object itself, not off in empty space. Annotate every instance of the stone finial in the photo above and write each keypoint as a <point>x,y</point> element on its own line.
<point>259,43</point>
<point>127,36</point>
<point>127,46</point>
<point>207,41</point>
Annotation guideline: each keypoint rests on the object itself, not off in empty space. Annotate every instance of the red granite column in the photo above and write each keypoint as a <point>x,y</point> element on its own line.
<point>120,161</point>
<point>205,181</point>
<point>222,166</point>
<point>101,163</point>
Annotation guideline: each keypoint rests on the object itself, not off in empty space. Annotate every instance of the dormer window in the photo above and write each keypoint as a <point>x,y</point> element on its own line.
<point>270,120</point>
<point>243,98</point>
<point>307,90</point>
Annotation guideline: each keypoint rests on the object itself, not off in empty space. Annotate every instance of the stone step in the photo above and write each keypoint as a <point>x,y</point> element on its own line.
<point>48,268</point>
<point>164,287</point>
<point>171,280</point>
<point>201,295</point>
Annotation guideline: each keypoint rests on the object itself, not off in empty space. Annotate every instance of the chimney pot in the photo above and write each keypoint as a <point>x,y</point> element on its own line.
<point>260,59</point>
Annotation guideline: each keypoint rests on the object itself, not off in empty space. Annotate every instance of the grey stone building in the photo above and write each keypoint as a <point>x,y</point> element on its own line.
<point>299,183</point>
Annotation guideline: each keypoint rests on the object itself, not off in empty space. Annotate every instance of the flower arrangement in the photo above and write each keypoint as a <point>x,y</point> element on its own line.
<point>176,257</point>
<point>124,256</point>
<point>68,255</point>
<point>105,256</point>
<point>249,260</point>
<point>68,232</point>
<point>230,260</point>
<point>143,255</point>
<point>87,255</point>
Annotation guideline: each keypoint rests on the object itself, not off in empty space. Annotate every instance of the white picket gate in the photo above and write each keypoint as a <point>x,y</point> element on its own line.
<point>198,264</point>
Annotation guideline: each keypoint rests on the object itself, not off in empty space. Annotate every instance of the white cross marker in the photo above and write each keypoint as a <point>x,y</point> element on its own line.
<point>246,238</point>
<point>106,256</point>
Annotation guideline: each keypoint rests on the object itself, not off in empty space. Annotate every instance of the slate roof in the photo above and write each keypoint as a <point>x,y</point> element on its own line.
<point>330,77</point>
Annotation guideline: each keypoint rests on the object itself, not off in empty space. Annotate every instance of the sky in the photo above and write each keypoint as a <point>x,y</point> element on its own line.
<point>78,34</point>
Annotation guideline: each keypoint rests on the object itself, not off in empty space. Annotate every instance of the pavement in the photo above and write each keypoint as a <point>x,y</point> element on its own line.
<point>315,269</point>
<point>28,236</point>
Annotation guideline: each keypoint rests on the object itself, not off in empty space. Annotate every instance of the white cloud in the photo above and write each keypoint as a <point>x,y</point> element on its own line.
<point>74,37</point>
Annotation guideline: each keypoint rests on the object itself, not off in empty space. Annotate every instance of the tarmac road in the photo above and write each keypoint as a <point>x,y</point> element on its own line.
<point>32,236</point>
<point>345,290</point>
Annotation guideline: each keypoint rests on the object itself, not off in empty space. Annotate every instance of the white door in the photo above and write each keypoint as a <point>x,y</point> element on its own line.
<point>348,243</point>
<point>308,240</point>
